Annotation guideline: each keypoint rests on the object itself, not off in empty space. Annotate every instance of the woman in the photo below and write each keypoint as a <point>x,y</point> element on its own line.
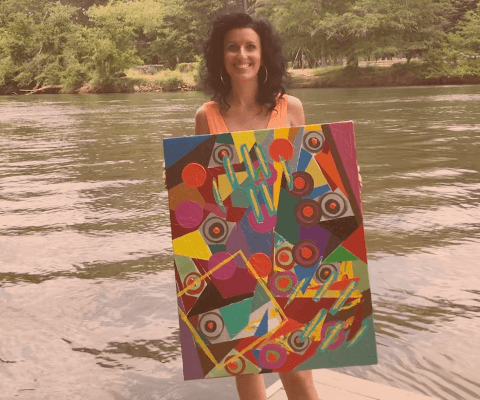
<point>245,69</point>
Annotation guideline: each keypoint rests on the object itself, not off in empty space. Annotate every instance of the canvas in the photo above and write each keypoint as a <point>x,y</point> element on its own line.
<point>269,251</point>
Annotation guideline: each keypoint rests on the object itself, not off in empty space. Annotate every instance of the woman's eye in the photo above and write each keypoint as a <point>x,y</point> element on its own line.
<point>251,47</point>
<point>232,47</point>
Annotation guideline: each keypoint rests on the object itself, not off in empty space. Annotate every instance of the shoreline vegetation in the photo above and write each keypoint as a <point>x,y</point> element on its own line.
<point>396,74</point>
<point>94,46</point>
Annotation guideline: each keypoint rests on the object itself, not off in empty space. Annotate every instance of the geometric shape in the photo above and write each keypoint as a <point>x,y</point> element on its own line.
<point>220,151</point>
<point>305,274</point>
<point>304,160</point>
<point>178,150</point>
<point>313,141</point>
<point>340,227</point>
<point>339,255</point>
<point>282,283</point>
<point>306,253</point>
<point>227,270</point>
<point>281,148</point>
<point>191,278</point>
<point>272,356</point>
<point>355,244</point>
<point>260,297</point>
<point>239,138</point>
<point>235,367</point>
<point>189,214</point>
<point>236,316</point>
<point>194,175</point>
<point>302,184</point>
<point>261,263</point>
<point>307,212</point>
<point>192,245</point>
<point>316,173</point>
<point>263,326</point>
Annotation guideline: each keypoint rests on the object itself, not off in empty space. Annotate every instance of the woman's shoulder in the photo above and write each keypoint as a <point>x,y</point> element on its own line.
<point>201,122</point>
<point>296,116</point>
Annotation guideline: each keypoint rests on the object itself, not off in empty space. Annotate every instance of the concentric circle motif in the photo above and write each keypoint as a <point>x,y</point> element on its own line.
<point>211,325</point>
<point>215,230</point>
<point>333,205</point>
<point>306,253</point>
<point>236,366</point>
<point>282,283</point>
<point>302,184</point>
<point>339,338</point>
<point>307,212</point>
<point>323,272</point>
<point>272,356</point>
<point>313,141</point>
<point>191,278</point>
<point>221,151</point>
<point>284,258</point>
<point>296,343</point>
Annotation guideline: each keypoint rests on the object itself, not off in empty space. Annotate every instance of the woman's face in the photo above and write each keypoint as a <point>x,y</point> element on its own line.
<point>242,53</point>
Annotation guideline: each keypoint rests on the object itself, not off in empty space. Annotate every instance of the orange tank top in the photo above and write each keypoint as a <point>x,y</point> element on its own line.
<point>216,123</point>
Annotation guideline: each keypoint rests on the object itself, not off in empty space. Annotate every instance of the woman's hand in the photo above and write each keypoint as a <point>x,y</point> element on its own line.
<point>359,177</point>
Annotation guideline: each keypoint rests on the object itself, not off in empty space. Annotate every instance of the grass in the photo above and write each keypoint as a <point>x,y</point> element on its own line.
<point>163,80</point>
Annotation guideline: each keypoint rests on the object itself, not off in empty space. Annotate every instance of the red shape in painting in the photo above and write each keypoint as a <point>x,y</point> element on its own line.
<point>281,148</point>
<point>194,175</point>
<point>261,263</point>
<point>355,244</point>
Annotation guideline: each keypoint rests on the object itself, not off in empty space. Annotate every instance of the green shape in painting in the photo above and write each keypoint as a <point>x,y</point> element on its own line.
<point>261,136</point>
<point>235,316</point>
<point>185,265</point>
<point>340,254</point>
<point>240,199</point>
<point>287,225</point>
<point>250,368</point>
<point>360,270</point>
<point>215,248</point>
<point>224,139</point>
<point>260,297</point>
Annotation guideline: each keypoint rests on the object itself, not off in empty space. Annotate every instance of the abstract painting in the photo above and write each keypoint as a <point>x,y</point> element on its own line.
<point>269,251</point>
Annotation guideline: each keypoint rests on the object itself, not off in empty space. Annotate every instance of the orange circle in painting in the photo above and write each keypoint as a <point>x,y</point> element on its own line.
<point>194,175</point>
<point>271,357</point>
<point>261,263</point>
<point>299,183</point>
<point>306,253</point>
<point>313,141</point>
<point>283,282</point>
<point>281,148</point>
<point>308,211</point>
<point>283,257</point>
<point>233,365</point>
<point>216,230</point>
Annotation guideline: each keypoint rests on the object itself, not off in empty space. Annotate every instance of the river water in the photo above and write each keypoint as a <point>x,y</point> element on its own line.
<point>87,299</point>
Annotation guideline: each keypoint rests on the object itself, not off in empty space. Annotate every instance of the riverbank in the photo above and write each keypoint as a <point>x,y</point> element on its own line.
<point>413,74</point>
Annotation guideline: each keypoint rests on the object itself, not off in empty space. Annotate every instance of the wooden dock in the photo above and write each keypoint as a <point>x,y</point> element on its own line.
<point>336,386</point>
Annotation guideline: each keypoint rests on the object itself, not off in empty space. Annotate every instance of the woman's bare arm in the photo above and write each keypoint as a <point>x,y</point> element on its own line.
<point>201,124</point>
<point>296,116</point>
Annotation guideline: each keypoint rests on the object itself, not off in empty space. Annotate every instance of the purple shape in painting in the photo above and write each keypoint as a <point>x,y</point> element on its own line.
<point>316,234</point>
<point>236,241</point>
<point>225,271</point>
<point>268,223</point>
<point>189,214</point>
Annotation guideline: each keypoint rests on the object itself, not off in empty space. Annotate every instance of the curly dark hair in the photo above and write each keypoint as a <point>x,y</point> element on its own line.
<point>272,57</point>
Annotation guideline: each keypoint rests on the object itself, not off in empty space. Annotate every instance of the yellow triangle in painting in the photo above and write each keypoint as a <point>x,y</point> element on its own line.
<point>314,127</point>
<point>314,170</point>
<point>224,184</point>
<point>192,245</point>
<point>245,137</point>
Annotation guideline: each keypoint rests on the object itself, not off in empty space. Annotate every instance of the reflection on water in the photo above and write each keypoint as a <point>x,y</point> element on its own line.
<point>86,283</point>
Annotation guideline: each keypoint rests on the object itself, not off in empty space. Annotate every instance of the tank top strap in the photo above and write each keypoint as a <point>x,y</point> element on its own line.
<point>279,116</point>
<point>216,123</point>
